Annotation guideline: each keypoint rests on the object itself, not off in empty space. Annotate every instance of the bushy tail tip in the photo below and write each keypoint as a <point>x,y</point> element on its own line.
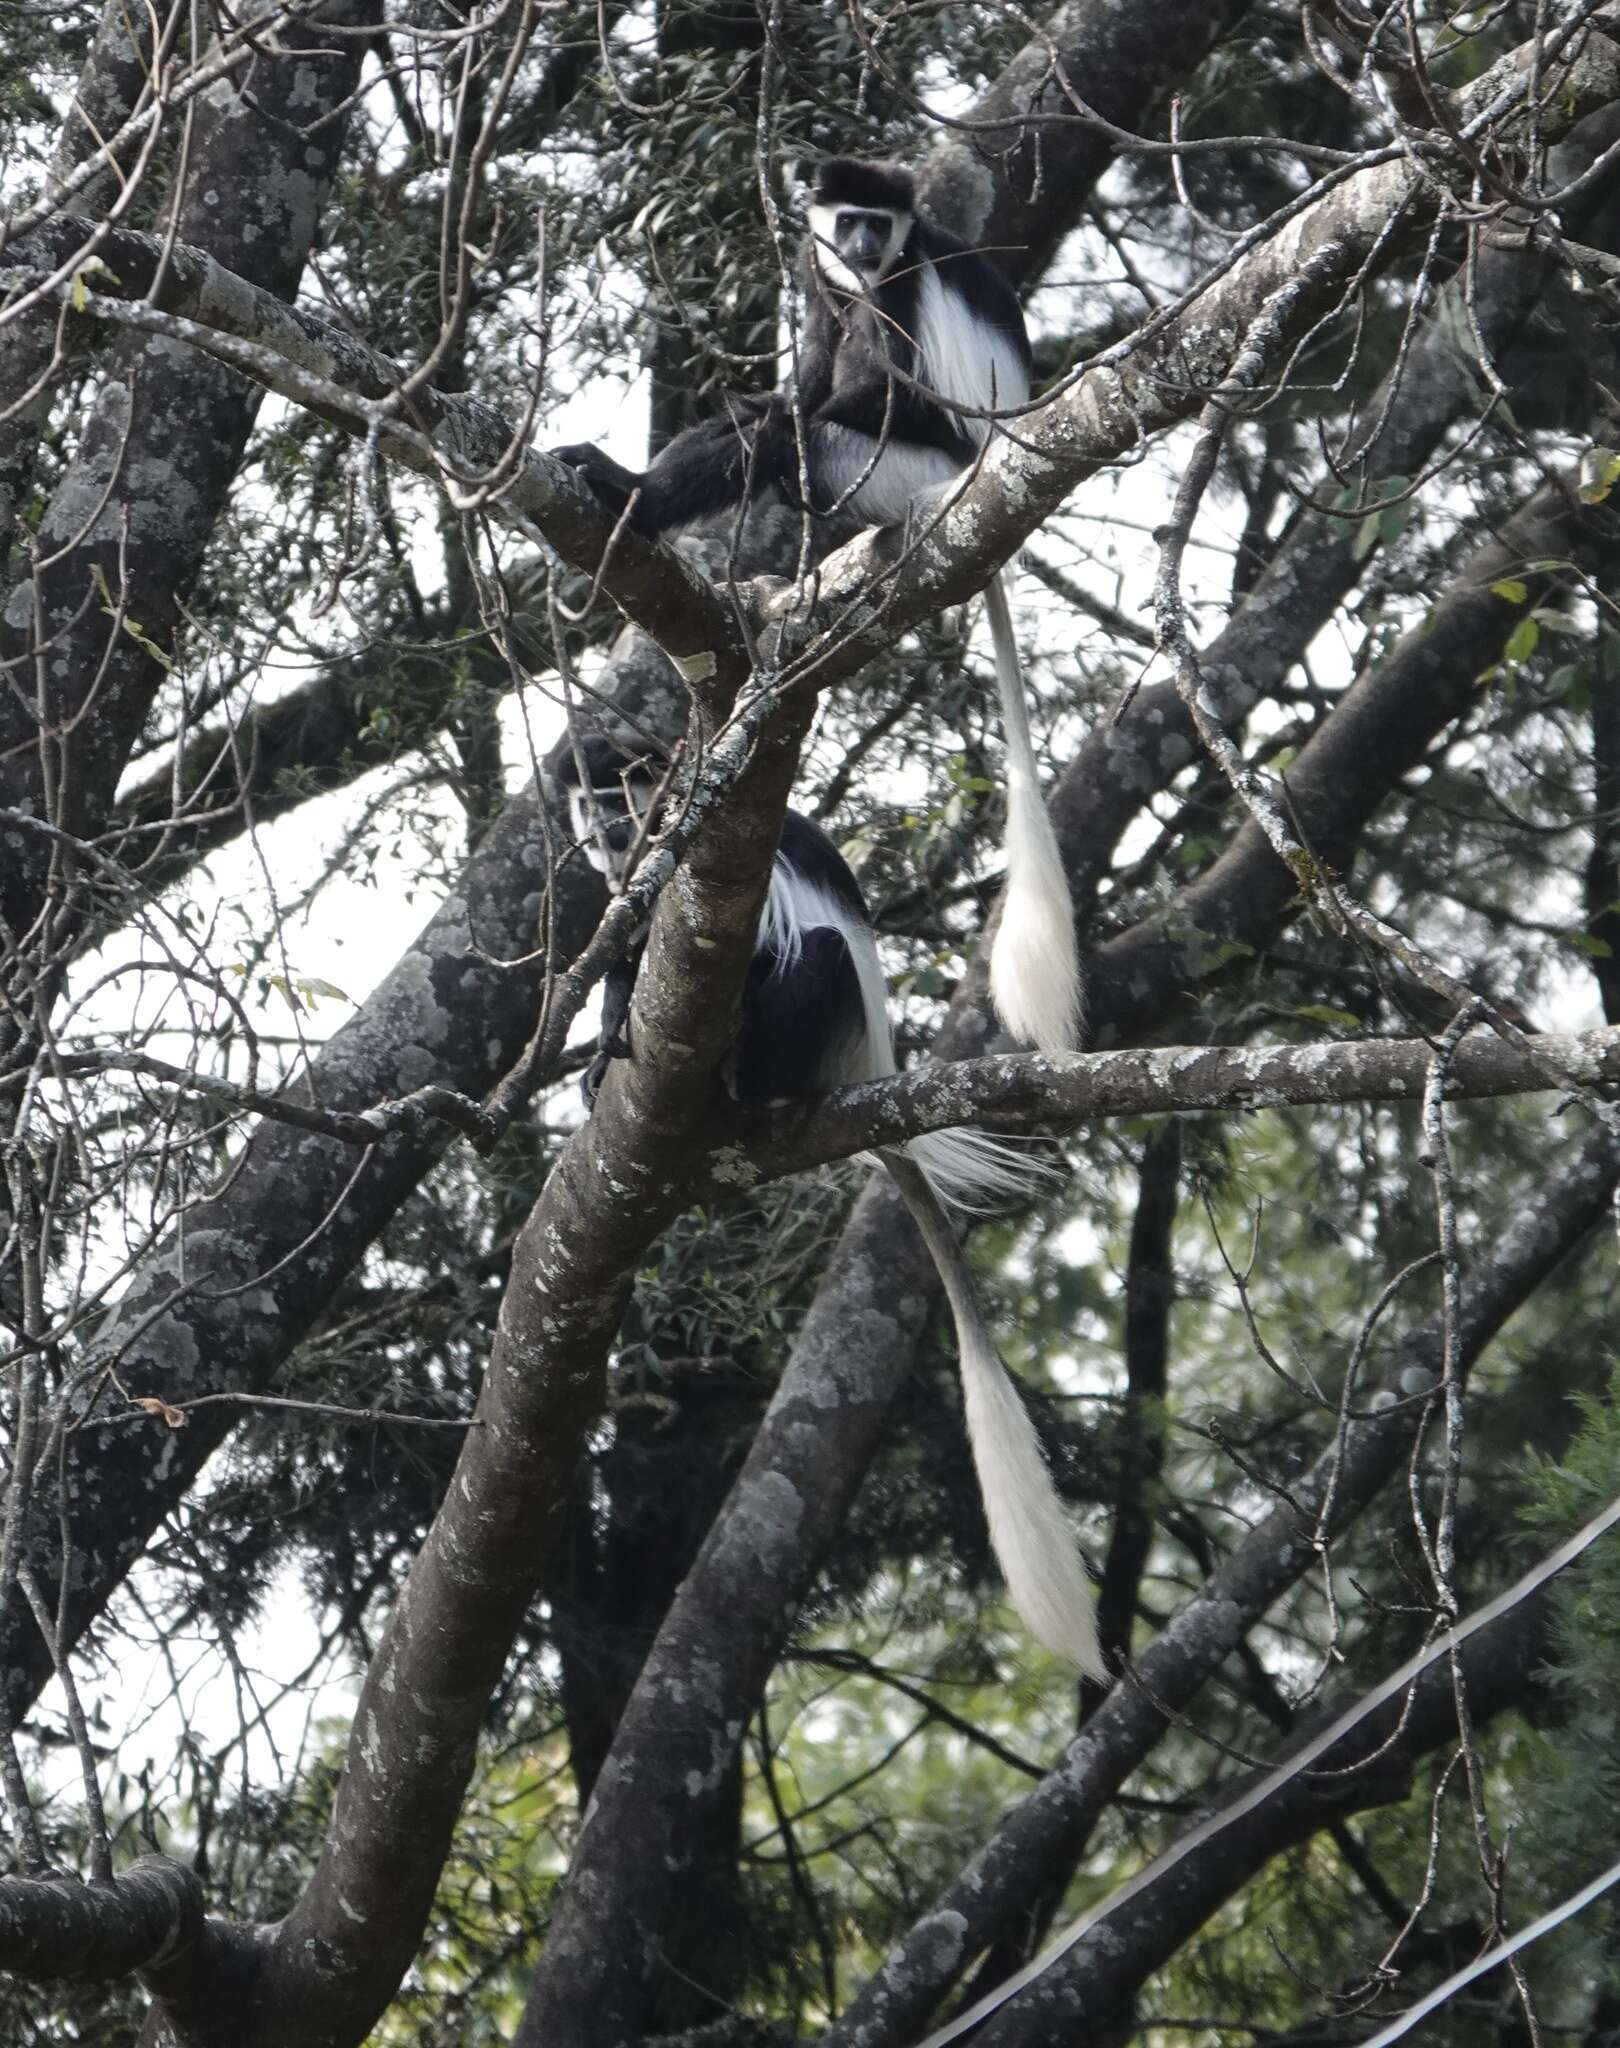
<point>1034,966</point>
<point>1029,1531</point>
<point>975,1172</point>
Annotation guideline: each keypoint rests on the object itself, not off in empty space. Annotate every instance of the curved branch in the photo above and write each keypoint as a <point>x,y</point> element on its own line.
<point>1046,153</point>
<point>56,1927</point>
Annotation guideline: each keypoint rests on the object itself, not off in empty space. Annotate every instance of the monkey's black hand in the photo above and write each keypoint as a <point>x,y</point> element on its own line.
<point>610,483</point>
<point>595,1074</point>
<point>613,1042</point>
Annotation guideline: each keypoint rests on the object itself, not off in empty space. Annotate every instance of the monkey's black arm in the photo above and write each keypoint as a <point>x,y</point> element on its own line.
<point>862,392</point>
<point>818,351</point>
<point>613,1041</point>
<point>610,481</point>
<point>706,470</point>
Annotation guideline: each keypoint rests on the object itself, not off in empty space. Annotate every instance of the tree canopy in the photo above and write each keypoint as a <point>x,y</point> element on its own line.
<point>475,1572</point>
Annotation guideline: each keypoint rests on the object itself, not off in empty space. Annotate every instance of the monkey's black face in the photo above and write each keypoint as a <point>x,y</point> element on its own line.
<point>608,819</point>
<point>862,239</point>
<point>856,245</point>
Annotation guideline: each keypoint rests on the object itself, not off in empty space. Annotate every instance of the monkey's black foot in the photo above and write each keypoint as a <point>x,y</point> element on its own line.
<point>610,482</point>
<point>596,1073</point>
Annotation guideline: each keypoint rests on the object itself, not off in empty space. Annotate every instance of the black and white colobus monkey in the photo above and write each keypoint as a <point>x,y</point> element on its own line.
<point>887,292</point>
<point>815,1016</point>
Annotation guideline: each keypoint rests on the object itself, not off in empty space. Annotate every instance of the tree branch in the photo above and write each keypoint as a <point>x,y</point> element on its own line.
<point>224,1298</point>
<point>1097,1981</point>
<point>1032,1091</point>
<point>1039,1842</point>
<point>454,440</point>
<point>331,1966</point>
<point>56,1927</point>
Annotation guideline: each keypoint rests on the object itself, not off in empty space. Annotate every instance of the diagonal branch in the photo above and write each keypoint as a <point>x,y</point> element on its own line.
<point>1039,1842</point>
<point>1370,1765</point>
<point>222,1299</point>
<point>1160,376</point>
<point>452,438</point>
<point>330,1967</point>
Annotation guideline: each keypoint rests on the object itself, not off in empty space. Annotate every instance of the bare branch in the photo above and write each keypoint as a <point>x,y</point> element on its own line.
<point>1032,1091</point>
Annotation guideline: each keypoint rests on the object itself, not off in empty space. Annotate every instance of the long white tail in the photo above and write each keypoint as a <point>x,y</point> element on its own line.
<point>1034,968</point>
<point>1028,1529</point>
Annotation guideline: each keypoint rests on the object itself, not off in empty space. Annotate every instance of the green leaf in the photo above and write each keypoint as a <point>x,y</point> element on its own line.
<point>1325,1013</point>
<point>1511,590</point>
<point>1599,471</point>
<point>1388,517</point>
<point>1593,947</point>
<point>133,627</point>
<point>1570,681</point>
<point>138,633</point>
<point>1207,952</point>
<point>1522,641</point>
<point>93,266</point>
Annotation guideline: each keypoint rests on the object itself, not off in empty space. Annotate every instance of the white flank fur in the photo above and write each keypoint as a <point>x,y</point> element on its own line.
<point>885,479</point>
<point>963,357</point>
<point>1034,967</point>
<point>1029,1530</point>
<point>969,1169</point>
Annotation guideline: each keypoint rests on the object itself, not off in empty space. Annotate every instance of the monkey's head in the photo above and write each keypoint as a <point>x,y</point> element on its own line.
<point>610,803</point>
<point>860,216</point>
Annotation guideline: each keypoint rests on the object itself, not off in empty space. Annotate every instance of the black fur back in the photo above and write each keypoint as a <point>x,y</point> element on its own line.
<point>803,1013</point>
